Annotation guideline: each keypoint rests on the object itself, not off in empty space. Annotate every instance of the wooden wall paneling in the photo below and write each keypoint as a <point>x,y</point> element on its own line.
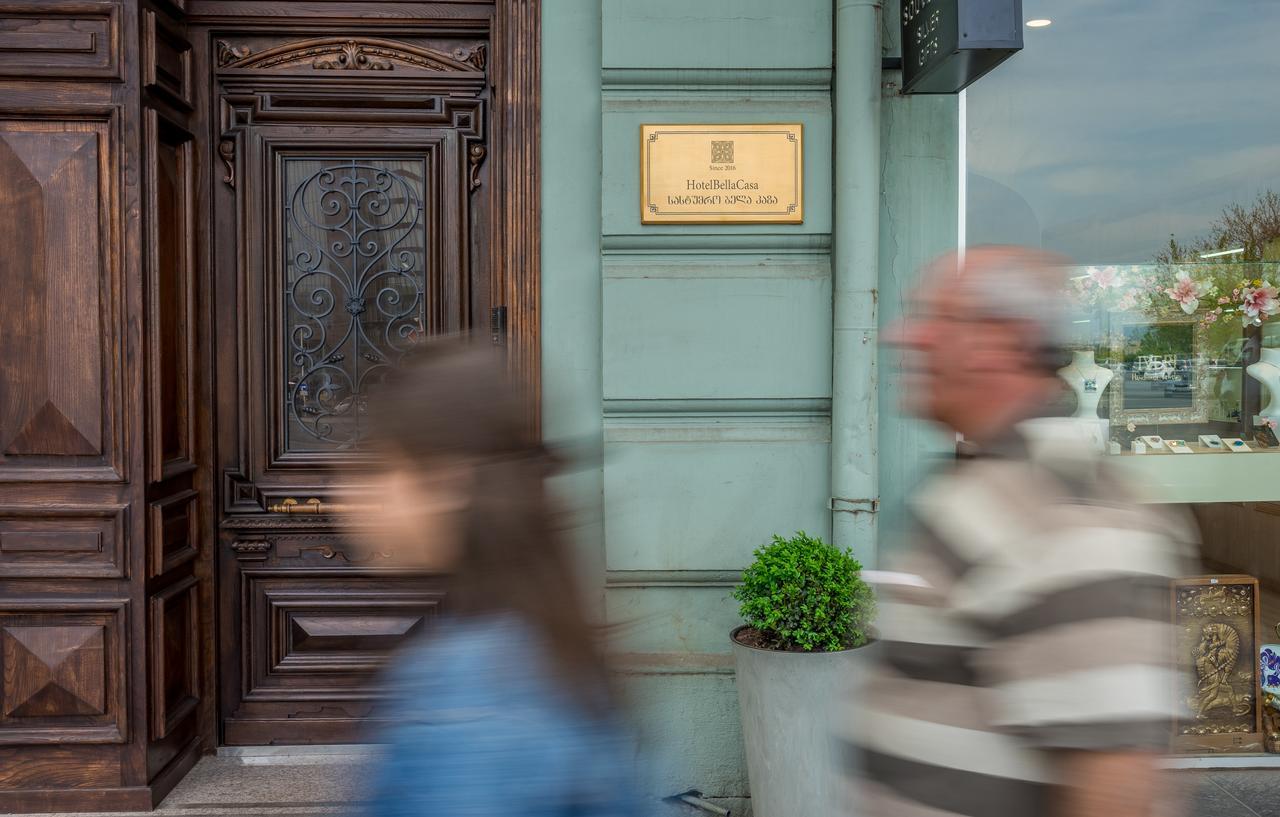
<point>48,768</point>
<point>179,614</point>
<point>174,681</point>
<point>64,671</point>
<point>60,400</point>
<point>517,240</point>
<point>46,541</point>
<point>57,39</point>
<point>1240,536</point>
<point>475,14</point>
<point>206,185</point>
<point>166,59</point>
<point>171,328</point>
<point>72,524</point>
<point>174,533</point>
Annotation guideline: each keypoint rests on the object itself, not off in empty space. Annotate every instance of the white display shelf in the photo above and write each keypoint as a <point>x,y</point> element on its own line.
<point>1205,476</point>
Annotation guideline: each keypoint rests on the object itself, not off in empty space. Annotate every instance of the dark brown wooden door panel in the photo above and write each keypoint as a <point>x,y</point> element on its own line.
<point>171,285</point>
<point>363,245</point>
<point>174,650</point>
<point>367,173</point>
<point>326,631</point>
<point>166,59</point>
<point>174,532</point>
<point>174,688</point>
<point>61,370</point>
<point>63,670</point>
<point>40,38</point>
<point>350,224</point>
<point>62,541</point>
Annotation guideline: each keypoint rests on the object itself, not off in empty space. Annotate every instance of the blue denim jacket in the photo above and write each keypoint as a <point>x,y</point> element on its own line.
<point>482,731</point>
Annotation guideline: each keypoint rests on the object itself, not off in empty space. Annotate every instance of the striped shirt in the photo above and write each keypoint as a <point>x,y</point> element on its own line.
<point>1042,623</point>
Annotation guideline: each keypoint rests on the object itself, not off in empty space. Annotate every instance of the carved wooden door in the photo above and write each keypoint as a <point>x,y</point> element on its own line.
<point>351,221</point>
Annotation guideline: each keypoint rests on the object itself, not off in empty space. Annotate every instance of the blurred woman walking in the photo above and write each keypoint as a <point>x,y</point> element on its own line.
<point>505,707</point>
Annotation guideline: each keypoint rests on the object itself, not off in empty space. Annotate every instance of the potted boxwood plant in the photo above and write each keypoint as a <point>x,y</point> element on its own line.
<point>807,611</point>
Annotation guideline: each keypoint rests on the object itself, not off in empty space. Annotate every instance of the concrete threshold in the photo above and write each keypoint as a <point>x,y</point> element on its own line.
<point>312,755</point>
<point>1259,760</point>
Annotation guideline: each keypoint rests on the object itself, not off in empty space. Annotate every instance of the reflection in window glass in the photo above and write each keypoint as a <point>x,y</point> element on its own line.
<point>1139,140</point>
<point>1175,349</point>
<point>1123,124</point>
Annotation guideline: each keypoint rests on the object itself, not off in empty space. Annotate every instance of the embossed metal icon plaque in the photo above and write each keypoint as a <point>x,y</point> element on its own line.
<point>722,174</point>
<point>1216,625</point>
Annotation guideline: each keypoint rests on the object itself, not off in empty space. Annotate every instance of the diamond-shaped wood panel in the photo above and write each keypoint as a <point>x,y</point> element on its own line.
<point>59,398</point>
<point>54,671</point>
<point>62,673</point>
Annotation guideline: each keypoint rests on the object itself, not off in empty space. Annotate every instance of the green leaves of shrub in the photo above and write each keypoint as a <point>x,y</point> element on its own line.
<point>804,594</point>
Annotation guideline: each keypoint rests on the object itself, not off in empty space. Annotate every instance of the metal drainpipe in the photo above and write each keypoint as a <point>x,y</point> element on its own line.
<point>855,483</point>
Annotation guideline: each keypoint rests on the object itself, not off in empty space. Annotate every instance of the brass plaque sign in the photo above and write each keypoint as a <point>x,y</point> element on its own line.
<point>722,174</point>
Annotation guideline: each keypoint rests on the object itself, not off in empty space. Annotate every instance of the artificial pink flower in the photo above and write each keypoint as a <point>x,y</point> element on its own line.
<point>1260,302</point>
<point>1187,292</point>
<point>1107,277</point>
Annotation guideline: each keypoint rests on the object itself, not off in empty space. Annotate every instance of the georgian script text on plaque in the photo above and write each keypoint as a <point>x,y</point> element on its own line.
<point>722,174</point>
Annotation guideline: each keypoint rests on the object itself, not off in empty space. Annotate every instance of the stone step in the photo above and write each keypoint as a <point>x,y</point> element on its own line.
<point>286,781</point>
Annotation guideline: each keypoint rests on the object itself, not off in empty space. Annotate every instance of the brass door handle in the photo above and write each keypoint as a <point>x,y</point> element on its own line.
<point>314,507</point>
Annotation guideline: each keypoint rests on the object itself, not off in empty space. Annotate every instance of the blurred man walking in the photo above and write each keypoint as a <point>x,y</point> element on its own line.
<point>1026,666</point>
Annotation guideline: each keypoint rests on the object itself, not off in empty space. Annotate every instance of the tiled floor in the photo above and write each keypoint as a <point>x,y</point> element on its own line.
<point>306,786</point>
<point>328,786</point>
<point>1245,793</point>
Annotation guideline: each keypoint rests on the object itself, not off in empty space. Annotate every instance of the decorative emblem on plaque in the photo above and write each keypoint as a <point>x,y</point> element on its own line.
<point>721,152</point>
<point>1216,622</point>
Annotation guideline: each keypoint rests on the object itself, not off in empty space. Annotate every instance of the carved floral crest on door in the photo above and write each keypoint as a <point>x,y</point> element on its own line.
<point>351,54</point>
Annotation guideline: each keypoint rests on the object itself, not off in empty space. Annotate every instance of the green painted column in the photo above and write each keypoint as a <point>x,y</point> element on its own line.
<point>919,220</point>
<point>855,253</point>
<point>571,305</point>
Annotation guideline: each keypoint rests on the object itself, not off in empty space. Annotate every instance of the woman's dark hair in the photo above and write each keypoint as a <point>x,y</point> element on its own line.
<point>454,401</point>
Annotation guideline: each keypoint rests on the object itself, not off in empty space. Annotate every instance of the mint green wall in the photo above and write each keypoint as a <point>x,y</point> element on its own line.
<point>570,331</point>
<point>695,361</point>
<point>717,363</point>
<point>919,220</point>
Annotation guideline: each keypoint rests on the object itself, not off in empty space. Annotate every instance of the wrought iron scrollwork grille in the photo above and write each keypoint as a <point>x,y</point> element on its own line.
<point>355,299</point>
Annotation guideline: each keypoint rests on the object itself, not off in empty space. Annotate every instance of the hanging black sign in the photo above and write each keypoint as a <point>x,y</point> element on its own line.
<point>947,44</point>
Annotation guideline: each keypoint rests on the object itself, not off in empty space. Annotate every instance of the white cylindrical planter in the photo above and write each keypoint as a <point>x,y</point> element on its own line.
<point>789,703</point>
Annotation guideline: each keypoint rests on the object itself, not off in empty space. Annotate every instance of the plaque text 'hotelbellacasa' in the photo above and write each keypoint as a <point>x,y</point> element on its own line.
<point>721,174</point>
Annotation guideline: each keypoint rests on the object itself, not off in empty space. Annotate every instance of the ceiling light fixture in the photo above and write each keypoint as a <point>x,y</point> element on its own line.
<point>1039,23</point>
<point>1236,251</point>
